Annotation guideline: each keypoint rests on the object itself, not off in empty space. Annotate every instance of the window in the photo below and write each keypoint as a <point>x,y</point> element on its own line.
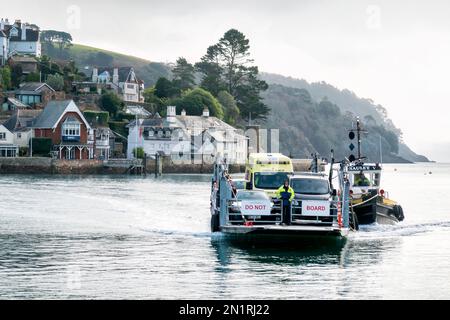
<point>71,129</point>
<point>19,135</point>
<point>2,135</point>
<point>130,86</point>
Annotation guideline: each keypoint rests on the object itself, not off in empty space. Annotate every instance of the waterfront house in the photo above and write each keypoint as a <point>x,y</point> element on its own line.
<point>187,138</point>
<point>103,136</point>
<point>71,135</point>
<point>20,124</point>
<point>7,146</point>
<point>34,93</point>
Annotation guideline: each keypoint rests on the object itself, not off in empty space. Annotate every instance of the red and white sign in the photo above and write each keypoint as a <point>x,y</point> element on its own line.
<point>315,208</point>
<point>255,208</point>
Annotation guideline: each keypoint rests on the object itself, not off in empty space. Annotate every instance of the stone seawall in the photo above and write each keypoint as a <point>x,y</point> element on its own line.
<point>37,165</point>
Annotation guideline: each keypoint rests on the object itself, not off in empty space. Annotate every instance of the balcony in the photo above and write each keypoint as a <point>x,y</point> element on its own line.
<point>104,143</point>
<point>70,138</point>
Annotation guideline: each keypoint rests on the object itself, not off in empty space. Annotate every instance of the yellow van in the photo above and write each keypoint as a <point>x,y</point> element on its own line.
<point>267,171</point>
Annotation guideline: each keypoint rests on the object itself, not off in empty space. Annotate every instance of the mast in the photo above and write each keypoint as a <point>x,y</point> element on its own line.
<point>352,135</point>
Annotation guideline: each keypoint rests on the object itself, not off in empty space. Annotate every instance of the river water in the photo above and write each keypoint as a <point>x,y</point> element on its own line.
<point>71,237</point>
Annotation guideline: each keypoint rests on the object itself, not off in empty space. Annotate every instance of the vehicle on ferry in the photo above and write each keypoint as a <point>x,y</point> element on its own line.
<point>267,171</point>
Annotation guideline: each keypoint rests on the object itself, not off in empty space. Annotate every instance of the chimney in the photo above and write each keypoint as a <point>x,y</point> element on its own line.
<point>2,24</point>
<point>116,76</point>
<point>171,111</point>
<point>94,74</point>
<point>206,112</point>
<point>24,31</point>
<point>183,112</point>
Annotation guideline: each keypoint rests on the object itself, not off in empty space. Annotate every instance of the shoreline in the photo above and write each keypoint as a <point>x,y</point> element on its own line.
<point>49,166</point>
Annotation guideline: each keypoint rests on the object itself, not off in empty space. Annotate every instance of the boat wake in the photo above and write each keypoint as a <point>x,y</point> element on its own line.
<point>168,232</point>
<point>400,229</point>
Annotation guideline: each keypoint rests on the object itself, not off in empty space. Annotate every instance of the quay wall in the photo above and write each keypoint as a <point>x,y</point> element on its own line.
<point>41,165</point>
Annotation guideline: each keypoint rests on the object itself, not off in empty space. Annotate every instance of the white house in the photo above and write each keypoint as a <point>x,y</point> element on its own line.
<point>20,125</point>
<point>18,38</point>
<point>198,139</point>
<point>7,146</point>
<point>122,80</point>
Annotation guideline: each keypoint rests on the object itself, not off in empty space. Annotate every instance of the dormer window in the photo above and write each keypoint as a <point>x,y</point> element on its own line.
<point>71,129</point>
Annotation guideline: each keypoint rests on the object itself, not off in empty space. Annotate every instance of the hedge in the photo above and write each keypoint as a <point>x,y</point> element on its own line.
<point>41,146</point>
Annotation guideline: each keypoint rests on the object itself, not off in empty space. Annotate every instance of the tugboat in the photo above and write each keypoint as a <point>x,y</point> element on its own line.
<point>252,215</point>
<point>369,202</point>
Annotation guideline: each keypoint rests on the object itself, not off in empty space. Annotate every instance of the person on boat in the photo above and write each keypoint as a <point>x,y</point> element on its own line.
<point>213,198</point>
<point>286,194</point>
<point>361,180</point>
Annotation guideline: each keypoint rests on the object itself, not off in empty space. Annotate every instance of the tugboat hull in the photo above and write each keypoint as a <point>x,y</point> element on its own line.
<point>375,213</point>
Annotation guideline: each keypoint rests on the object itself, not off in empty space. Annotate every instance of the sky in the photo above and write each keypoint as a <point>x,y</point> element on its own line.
<point>396,53</point>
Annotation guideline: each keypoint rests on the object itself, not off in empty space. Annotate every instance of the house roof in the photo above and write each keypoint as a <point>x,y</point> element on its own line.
<point>23,59</point>
<point>203,122</point>
<point>16,103</point>
<point>34,86</point>
<point>124,73</point>
<point>53,113</point>
<point>31,34</point>
<point>21,120</point>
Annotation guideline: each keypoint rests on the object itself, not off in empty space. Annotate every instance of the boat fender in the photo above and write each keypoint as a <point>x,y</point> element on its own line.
<point>354,223</point>
<point>397,210</point>
<point>215,222</point>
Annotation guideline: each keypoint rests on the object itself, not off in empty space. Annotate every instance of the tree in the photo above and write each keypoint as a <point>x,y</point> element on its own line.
<point>16,75</point>
<point>227,64</point>
<point>212,71</point>
<point>47,66</point>
<point>32,77</point>
<point>233,49</point>
<point>60,38</point>
<point>164,88</point>
<point>111,102</point>
<point>5,78</point>
<point>229,105</point>
<point>196,100</point>
<point>55,81</point>
<point>183,75</point>
<point>138,153</point>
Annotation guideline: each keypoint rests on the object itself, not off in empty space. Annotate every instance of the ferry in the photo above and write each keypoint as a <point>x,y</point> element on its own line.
<point>254,214</point>
<point>369,202</point>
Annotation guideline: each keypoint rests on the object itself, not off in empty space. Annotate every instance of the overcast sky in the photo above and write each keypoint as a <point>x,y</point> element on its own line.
<point>394,52</point>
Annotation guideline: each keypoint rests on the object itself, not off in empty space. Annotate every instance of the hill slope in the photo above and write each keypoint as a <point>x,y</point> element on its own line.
<point>308,122</point>
<point>86,57</point>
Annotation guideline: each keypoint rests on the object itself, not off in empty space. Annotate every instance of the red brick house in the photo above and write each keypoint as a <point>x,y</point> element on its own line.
<point>72,136</point>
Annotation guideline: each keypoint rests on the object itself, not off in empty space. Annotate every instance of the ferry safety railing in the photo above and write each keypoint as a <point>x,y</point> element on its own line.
<point>297,217</point>
<point>235,215</point>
